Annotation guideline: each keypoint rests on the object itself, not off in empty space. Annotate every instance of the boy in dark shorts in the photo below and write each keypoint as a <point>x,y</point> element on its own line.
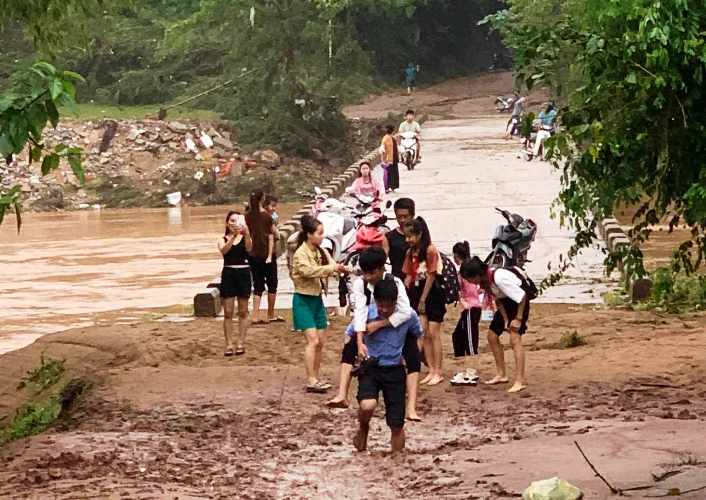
<point>383,369</point>
<point>404,212</point>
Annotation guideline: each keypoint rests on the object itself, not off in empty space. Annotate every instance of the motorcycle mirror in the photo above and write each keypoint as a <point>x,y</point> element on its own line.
<point>388,204</point>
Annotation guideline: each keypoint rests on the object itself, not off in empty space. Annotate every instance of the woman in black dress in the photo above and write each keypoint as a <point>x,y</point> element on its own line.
<point>236,281</point>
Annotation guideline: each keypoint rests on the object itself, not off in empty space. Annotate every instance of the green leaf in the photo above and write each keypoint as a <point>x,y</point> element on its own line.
<point>51,162</point>
<point>77,168</point>
<point>73,76</point>
<point>35,154</point>
<point>6,147</point>
<point>631,78</point>
<point>53,113</point>
<point>56,88</point>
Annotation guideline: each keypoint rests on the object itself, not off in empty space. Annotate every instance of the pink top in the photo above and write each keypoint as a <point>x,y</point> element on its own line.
<point>469,293</point>
<point>372,187</point>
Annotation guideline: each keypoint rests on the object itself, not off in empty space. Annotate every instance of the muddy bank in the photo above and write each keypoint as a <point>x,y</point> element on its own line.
<point>169,416</point>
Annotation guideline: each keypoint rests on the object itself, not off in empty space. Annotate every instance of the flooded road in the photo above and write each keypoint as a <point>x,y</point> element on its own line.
<point>64,268</point>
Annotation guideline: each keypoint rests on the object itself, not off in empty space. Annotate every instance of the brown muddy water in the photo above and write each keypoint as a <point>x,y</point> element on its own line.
<point>66,268</point>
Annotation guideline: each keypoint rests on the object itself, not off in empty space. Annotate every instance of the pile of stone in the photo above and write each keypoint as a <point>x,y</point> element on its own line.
<point>142,150</point>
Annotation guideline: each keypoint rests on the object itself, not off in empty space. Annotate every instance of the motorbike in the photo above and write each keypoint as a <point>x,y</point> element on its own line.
<point>505,103</point>
<point>408,149</point>
<point>512,241</point>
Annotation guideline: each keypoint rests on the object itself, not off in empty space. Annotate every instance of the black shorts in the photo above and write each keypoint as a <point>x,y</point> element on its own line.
<point>263,274</point>
<point>235,283</point>
<point>465,336</point>
<point>435,304</point>
<point>410,353</point>
<point>498,323</point>
<point>391,381</point>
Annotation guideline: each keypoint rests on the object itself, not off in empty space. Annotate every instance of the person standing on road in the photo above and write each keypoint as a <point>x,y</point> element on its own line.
<point>262,261</point>
<point>270,205</point>
<point>404,212</point>
<point>410,125</point>
<point>410,77</point>
<point>383,369</point>
<point>235,279</point>
<point>421,267</point>
<point>311,268</point>
<point>389,159</point>
<point>510,290</point>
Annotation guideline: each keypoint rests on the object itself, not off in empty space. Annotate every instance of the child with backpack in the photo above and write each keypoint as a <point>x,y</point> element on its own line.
<point>422,265</point>
<point>465,336</point>
<point>512,290</point>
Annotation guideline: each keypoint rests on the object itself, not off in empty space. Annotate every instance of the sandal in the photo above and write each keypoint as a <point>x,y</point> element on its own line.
<point>276,319</point>
<point>240,351</point>
<point>463,379</point>
<point>259,322</point>
<point>317,388</point>
<point>229,352</point>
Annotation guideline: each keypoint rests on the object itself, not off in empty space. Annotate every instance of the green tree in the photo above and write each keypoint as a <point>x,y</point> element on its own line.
<point>629,76</point>
<point>31,98</point>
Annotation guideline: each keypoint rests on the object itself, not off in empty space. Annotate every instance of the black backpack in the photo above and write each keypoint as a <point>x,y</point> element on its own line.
<point>448,280</point>
<point>527,285</point>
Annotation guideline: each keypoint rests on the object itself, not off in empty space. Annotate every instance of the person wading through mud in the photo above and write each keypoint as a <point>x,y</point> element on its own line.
<point>262,257</point>
<point>397,243</point>
<point>311,268</point>
<point>421,267</point>
<point>389,156</point>
<point>372,264</point>
<point>235,279</point>
<point>382,368</point>
<point>512,295</point>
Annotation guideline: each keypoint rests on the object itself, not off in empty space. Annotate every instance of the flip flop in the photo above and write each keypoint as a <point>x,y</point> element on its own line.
<point>414,419</point>
<point>240,351</point>
<point>228,352</point>
<point>336,404</point>
<point>260,322</point>
<point>276,319</point>
<point>496,382</point>
<point>316,388</point>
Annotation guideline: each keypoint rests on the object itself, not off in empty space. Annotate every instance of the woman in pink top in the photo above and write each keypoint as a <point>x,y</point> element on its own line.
<point>366,185</point>
<point>465,336</point>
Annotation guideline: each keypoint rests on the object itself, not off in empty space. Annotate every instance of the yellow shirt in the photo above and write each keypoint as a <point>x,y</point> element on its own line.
<point>309,275</point>
<point>388,148</point>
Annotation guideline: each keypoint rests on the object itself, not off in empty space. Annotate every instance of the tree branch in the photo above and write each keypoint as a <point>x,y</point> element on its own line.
<point>613,489</point>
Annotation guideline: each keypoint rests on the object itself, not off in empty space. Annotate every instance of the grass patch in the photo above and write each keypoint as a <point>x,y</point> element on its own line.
<point>45,375</point>
<point>31,419</point>
<point>93,111</point>
<point>571,339</point>
<point>616,298</point>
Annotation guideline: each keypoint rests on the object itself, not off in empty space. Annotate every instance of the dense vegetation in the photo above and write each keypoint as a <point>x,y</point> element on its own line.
<point>629,77</point>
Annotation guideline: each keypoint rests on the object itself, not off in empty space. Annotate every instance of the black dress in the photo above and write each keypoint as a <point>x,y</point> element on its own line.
<point>393,170</point>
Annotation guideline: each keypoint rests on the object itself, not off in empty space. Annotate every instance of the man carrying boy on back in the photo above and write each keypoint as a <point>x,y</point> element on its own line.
<point>382,369</point>
<point>372,263</point>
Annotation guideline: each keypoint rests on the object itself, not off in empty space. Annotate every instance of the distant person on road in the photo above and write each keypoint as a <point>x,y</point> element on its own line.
<point>410,125</point>
<point>547,119</point>
<point>509,290</point>
<point>410,76</point>
<point>421,267</point>
<point>389,159</point>
<point>513,123</point>
<point>311,268</point>
<point>235,279</point>
<point>263,264</point>
<point>397,243</point>
<point>367,185</point>
<point>382,369</point>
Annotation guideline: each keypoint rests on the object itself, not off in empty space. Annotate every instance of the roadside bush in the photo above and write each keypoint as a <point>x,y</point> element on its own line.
<point>571,339</point>
<point>678,292</point>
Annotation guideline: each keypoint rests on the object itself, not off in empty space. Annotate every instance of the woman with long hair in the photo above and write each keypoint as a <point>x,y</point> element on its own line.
<point>311,267</point>
<point>236,282</point>
<point>421,267</point>
<point>262,257</point>
<point>367,185</point>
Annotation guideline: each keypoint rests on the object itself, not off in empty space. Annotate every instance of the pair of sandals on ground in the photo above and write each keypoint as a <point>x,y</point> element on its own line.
<point>276,319</point>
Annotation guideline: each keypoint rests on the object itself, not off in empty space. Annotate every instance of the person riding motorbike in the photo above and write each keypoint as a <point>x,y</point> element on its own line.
<point>547,119</point>
<point>367,185</point>
<point>410,125</point>
<point>513,124</point>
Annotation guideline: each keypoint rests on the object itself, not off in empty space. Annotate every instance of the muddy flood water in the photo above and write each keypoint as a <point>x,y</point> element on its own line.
<point>66,268</point>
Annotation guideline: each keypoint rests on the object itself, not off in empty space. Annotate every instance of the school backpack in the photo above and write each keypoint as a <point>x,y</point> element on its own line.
<point>527,285</point>
<point>448,280</point>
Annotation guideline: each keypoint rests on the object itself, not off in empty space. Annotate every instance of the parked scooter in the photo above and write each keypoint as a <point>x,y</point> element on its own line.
<point>409,149</point>
<point>512,241</point>
<point>505,103</point>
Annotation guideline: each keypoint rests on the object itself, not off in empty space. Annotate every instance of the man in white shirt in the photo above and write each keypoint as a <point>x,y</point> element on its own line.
<point>372,263</point>
<point>410,125</point>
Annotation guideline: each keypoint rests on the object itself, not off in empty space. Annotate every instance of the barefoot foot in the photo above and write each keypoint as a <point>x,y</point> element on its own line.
<point>497,380</point>
<point>360,441</point>
<point>426,379</point>
<point>517,387</point>
<point>413,417</point>
<point>337,403</point>
<point>435,380</point>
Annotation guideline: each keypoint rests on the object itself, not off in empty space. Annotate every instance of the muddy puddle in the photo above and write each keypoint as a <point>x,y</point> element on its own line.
<point>64,268</point>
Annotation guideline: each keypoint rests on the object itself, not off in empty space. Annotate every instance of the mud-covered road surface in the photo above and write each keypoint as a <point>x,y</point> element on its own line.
<point>169,417</point>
